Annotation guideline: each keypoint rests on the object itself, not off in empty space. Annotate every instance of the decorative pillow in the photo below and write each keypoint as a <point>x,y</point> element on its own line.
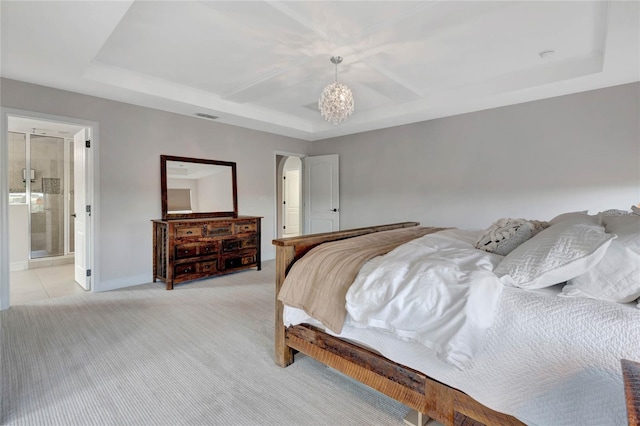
<point>614,212</point>
<point>569,216</point>
<point>616,278</point>
<point>559,253</point>
<point>505,235</point>
<point>621,225</point>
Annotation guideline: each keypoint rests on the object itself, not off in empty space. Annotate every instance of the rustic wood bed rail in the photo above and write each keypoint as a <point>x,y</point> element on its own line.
<point>412,388</point>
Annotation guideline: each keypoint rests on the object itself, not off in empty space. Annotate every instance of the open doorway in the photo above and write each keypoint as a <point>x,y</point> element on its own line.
<point>307,194</point>
<point>291,196</point>
<point>288,196</point>
<point>47,170</point>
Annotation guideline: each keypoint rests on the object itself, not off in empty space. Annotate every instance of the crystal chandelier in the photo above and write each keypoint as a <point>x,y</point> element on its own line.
<point>336,100</point>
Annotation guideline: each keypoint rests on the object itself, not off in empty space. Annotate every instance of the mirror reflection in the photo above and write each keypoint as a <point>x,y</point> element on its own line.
<point>196,187</point>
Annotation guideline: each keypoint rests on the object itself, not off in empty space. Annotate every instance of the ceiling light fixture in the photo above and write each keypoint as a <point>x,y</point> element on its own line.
<point>336,100</point>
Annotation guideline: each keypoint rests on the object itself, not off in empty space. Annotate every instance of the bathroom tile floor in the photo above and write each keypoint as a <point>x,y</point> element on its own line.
<point>42,283</point>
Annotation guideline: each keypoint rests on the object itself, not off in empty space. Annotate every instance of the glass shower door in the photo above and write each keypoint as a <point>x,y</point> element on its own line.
<point>47,196</point>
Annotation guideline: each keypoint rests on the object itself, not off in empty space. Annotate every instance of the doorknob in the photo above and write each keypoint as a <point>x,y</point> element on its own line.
<point>73,215</point>
<point>335,210</point>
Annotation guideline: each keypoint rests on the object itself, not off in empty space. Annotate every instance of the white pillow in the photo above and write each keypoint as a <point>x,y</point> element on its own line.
<point>559,253</point>
<point>616,278</point>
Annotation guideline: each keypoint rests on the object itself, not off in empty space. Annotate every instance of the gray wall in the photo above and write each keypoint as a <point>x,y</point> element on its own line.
<point>131,140</point>
<point>533,160</point>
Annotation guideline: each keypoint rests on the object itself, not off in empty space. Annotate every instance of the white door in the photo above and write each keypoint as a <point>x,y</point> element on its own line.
<point>291,200</point>
<point>82,217</point>
<point>322,203</point>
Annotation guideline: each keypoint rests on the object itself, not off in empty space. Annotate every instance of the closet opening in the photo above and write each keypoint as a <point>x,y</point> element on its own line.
<point>288,196</point>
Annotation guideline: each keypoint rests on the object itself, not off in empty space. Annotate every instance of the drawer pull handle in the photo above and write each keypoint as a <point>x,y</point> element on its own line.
<point>186,270</point>
<point>186,251</point>
<point>189,232</point>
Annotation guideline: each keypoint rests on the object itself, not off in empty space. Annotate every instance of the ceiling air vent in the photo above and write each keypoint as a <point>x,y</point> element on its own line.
<point>209,116</point>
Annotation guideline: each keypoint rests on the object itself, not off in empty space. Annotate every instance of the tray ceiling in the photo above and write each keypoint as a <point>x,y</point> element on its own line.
<point>263,64</point>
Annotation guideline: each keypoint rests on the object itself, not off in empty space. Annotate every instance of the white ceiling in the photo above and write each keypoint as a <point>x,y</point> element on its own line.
<point>263,64</point>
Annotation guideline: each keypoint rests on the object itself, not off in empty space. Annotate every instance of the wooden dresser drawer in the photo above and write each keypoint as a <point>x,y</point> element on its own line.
<point>239,244</point>
<point>185,268</point>
<point>186,250</point>
<point>219,230</point>
<point>196,249</point>
<point>244,227</point>
<point>236,262</point>
<point>207,248</point>
<point>208,266</point>
<point>188,231</point>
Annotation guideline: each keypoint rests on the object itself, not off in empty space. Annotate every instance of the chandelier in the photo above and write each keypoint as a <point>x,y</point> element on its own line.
<point>336,100</point>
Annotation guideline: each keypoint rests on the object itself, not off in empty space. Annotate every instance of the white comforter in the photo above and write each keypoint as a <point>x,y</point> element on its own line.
<point>437,290</point>
<point>546,360</point>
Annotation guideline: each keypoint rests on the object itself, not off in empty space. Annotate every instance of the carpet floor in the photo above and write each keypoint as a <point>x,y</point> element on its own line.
<point>201,354</point>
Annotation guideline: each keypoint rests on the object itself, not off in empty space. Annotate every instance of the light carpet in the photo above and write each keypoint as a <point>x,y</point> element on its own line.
<point>200,354</point>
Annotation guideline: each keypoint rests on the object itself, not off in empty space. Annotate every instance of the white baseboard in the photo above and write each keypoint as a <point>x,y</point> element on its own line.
<point>47,262</point>
<point>123,283</point>
<point>19,266</point>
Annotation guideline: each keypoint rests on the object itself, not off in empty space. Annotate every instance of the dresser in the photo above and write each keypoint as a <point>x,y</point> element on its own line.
<point>191,249</point>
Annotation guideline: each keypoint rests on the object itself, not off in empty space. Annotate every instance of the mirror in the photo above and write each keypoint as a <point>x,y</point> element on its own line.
<point>193,187</point>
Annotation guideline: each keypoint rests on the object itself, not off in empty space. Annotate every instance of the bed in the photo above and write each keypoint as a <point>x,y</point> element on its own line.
<point>501,383</point>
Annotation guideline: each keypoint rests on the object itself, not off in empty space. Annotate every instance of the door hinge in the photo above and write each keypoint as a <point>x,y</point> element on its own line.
<point>284,227</point>
<point>284,202</point>
<point>88,272</point>
<point>88,143</point>
<point>88,209</point>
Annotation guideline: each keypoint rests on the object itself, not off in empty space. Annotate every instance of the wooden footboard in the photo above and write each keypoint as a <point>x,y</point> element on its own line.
<point>412,388</point>
<point>288,250</point>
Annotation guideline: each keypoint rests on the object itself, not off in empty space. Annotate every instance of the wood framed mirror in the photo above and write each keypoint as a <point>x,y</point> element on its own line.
<point>195,188</point>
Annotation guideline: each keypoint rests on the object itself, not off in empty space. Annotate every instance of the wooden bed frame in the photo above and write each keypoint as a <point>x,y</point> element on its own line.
<point>416,390</point>
<point>631,376</point>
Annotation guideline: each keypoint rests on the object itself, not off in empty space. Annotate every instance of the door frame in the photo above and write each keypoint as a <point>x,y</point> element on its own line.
<point>93,186</point>
<point>277,173</point>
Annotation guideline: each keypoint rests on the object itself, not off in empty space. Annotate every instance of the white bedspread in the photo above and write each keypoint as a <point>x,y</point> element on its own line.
<point>438,290</point>
<point>546,360</point>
